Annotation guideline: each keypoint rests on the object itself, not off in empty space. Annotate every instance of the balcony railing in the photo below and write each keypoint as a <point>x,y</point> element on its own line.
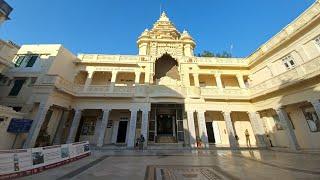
<point>304,71</point>
<point>217,93</point>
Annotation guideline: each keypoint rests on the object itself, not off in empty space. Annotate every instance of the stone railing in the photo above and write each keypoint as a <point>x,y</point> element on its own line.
<point>221,61</point>
<point>104,58</point>
<point>225,93</point>
<point>303,71</point>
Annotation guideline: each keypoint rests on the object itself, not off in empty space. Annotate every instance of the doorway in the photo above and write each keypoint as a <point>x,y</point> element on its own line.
<point>164,124</point>
<point>122,132</point>
<point>210,132</point>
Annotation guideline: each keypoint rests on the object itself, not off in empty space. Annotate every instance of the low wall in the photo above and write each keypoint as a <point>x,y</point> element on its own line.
<point>23,162</point>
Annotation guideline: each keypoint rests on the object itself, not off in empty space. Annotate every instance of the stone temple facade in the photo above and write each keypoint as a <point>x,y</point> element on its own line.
<point>170,96</point>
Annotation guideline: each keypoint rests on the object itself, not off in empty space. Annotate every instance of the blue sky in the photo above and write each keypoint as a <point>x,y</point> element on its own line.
<point>112,26</point>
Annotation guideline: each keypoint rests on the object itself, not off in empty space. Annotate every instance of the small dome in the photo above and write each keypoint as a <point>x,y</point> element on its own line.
<point>185,36</point>
<point>145,34</point>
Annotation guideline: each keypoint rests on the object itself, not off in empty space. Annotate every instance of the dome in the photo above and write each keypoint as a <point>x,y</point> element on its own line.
<point>145,34</point>
<point>186,36</point>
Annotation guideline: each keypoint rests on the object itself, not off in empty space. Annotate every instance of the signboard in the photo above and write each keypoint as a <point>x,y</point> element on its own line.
<point>19,125</point>
<point>23,162</point>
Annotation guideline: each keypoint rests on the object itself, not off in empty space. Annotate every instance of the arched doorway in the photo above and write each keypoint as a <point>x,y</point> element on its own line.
<point>166,66</point>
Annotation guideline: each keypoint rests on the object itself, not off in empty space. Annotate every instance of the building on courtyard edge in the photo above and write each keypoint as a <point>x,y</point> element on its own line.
<point>8,50</point>
<point>169,95</point>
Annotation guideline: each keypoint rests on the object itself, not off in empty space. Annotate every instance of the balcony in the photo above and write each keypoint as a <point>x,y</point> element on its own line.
<point>304,71</point>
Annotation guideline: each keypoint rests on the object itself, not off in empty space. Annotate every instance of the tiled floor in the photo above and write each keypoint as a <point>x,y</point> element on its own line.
<point>165,164</point>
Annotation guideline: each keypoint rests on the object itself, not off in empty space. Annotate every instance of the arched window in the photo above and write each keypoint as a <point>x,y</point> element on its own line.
<point>166,66</point>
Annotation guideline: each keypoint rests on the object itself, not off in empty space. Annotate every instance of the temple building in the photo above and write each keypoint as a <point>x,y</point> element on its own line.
<point>170,96</point>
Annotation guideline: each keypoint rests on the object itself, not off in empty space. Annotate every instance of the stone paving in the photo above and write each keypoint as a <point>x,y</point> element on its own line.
<point>190,165</point>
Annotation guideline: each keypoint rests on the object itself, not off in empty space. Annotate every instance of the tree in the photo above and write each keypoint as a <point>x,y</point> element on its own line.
<point>206,53</point>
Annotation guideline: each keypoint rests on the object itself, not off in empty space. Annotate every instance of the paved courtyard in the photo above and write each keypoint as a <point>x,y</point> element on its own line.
<point>174,164</point>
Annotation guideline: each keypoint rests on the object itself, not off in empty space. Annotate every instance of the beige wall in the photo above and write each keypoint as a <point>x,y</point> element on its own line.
<point>7,139</point>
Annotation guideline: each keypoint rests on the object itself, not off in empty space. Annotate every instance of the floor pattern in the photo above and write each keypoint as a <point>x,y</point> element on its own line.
<point>171,172</point>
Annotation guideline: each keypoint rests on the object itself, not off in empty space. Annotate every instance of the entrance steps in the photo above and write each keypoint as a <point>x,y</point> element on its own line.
<point>166,139</point>
<point>166,146</point>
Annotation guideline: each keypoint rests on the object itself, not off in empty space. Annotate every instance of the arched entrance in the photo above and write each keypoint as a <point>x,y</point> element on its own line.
<point>166,66</point>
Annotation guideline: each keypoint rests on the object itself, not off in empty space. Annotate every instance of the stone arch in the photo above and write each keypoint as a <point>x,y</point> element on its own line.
<point>166,65</point>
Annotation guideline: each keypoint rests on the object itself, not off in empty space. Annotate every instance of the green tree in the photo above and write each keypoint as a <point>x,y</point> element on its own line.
<point>206,53</point>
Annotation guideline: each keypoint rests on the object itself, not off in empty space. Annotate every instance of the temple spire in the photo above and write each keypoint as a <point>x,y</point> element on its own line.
<point>164,17</point>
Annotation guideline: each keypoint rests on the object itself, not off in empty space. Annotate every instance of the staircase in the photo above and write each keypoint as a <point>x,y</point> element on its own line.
<point>166,139</point>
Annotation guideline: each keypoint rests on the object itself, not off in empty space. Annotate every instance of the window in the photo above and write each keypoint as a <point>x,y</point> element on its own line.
<point>19,61</point>
<point>312,119</point>
<point>288,61</point>
<point>31,61</point>
<point>28,59</point>
<point>18,83</point>
<point>17,108</point>
<point>88,126</point>
<point>317,41</point>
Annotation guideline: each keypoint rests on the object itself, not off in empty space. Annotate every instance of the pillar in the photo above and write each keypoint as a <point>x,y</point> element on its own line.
<point>230,130</point>
<point>218,80</point>
<point>216,132</point>
<point>132,128</point>
<point>257,127</point>
<point>64,118</point>
<point>196,80</point>
<point>186,78</point>
<point>285,121</point>
<point>137,78</point>
<point>36,126</point>
<point>144,125</point>
<point>241,81</point>
<point>316,105</point>
<point>203,129</point>
<point>192,130</point>
<point>115,131</point>
<point>88,80</point>
<point>113,80</point>
<point>103,126</point>
<point>74,126</point>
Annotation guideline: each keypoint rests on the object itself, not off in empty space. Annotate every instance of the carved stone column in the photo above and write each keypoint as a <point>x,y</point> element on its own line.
<point>241,81</point>
<point>216,132</point>
<point>316,105</point>
<point>257,127</point>
<point>132,128</point>
<point>196,80</point>
<point>36,125</point>
<point>230,129</point>
<point>218,80</point>
<point>144,125</point>
<point>285,121</point>
<point>63,120</point>
<point>88,81</point>
<point>103,126</point>
<point>113,80</point>
<point>192,130</point>
<point>74,126</point>
<point>137,78</point>
<point>203,129</point>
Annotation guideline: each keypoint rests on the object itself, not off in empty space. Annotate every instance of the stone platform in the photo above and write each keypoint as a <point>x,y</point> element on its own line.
<point>189,164</point>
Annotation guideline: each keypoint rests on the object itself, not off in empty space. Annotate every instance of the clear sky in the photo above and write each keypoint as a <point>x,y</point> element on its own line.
<point>113,26</point>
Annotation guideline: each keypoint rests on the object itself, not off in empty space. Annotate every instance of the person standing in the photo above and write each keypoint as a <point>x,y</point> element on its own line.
<point>141,144</point>
<point>247,138</point>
